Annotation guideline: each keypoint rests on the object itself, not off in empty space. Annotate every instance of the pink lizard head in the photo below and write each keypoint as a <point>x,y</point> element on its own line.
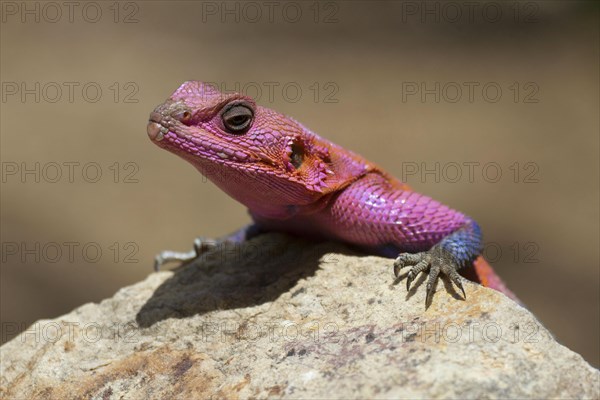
<point>258,156</point>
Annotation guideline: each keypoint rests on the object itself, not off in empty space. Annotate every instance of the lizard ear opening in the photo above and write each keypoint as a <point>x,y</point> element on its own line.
<point>297,154</point>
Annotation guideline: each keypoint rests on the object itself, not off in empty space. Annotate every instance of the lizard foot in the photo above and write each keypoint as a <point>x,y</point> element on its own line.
<point>436,260</point>
<point>201,245</point>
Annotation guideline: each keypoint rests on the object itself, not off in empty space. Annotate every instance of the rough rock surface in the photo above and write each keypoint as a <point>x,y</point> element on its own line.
<point>278,317</point>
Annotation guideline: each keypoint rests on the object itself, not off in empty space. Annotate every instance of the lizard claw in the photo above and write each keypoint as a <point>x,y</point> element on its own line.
<point>436,260</point>
<point>455,278</point>
<point>201,246</point>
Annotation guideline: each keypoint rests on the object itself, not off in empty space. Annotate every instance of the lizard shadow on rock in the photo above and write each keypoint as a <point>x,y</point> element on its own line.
<point>236,276</point>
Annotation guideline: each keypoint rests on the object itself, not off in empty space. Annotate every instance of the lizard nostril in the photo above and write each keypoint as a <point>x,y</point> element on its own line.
<point>184,117</point>
<point>155,117</point>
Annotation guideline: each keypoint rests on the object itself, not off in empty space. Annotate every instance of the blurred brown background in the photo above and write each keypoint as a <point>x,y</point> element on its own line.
<point>357,65</point>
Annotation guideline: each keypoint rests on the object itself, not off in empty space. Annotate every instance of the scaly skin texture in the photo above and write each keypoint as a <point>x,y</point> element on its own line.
<point>294,181</point>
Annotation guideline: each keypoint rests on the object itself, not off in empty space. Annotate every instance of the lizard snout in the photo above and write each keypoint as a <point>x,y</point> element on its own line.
<point>154,129</point>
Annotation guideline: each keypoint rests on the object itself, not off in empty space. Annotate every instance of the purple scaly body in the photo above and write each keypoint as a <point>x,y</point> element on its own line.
<point>294,181</point>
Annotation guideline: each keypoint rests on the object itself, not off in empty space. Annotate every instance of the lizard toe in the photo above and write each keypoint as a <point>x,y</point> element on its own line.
<point>406,260</point>
<point>416,270</point>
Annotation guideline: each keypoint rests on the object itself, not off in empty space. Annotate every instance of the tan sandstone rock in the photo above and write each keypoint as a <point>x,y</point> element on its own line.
<point>283,318</point>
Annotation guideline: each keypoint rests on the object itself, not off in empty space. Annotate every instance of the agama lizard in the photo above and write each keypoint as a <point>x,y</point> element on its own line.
<point>294,181</point>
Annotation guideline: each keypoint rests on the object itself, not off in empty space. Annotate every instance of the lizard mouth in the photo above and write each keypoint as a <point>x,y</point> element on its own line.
<point>155,129</point>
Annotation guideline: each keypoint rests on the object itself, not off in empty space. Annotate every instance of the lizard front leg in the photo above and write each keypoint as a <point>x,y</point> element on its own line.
<point>379,213</point>
<point>203,245</point>
<point>453,252</point>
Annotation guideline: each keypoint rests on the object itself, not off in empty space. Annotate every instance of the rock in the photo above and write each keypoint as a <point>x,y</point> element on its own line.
<point>280,317</point>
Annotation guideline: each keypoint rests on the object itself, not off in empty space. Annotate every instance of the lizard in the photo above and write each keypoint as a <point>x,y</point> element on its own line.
<point>294,181</point>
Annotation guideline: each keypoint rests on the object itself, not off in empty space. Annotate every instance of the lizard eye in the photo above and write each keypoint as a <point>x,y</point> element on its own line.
<point>237,118</point>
